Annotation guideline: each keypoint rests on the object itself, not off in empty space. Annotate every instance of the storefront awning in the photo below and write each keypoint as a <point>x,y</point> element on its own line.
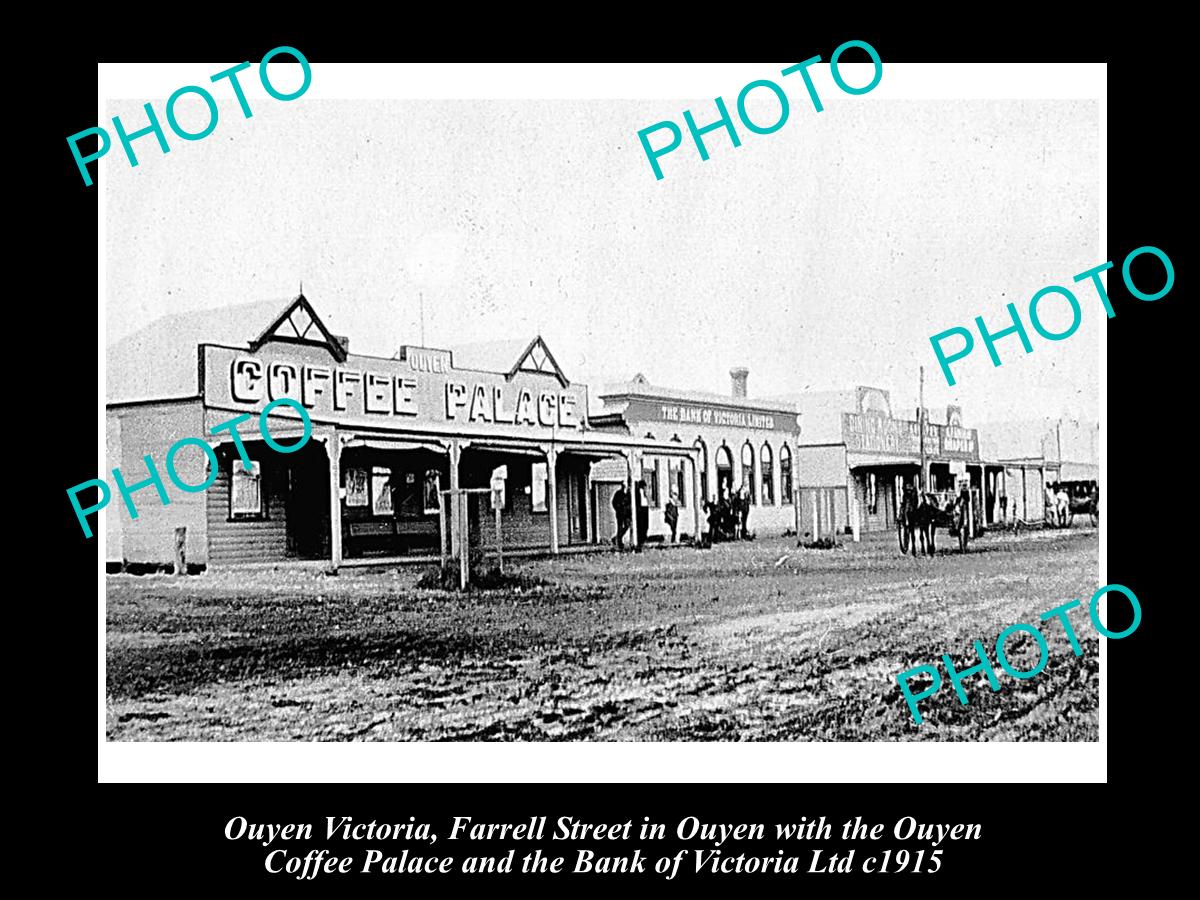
<point>860,460</point>
<point>383,443</point>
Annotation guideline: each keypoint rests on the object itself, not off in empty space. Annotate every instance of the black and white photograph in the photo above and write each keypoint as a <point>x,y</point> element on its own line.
<point>454,417</point>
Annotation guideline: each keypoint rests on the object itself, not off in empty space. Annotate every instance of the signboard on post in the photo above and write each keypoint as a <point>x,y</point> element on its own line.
<point>498,478</point>
<point>499,475</point>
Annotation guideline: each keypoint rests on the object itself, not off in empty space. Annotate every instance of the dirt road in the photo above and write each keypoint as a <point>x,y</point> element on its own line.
<point>755,641</point>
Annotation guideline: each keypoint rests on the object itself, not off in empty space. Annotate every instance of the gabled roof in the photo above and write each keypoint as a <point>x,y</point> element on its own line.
<point>295,325</point>
<point>538,359</point>
<point>508,357</point>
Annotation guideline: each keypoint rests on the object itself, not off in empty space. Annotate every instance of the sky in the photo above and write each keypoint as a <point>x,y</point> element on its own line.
<point>821,256</point>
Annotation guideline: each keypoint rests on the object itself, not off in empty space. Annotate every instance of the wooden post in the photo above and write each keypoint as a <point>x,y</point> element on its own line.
<point>442,528</point>
<point>458,519</point>
<point>181,551</point>
<point>587,505</point>
<point>333,448</point>
<point>464,543</point>
<point>633,524</point>
<point>697,500</point>
<point>552,499</point>
<point>499,543</point>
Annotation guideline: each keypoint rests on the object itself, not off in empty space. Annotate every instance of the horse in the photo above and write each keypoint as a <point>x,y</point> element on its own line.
<point>1088,505</point>
<point>928,513</point>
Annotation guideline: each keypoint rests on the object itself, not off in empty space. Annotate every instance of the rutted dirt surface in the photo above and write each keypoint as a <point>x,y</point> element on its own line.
<point>754,641</point>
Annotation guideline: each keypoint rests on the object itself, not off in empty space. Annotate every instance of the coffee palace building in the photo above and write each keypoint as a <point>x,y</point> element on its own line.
<point>395,442</point>
<point>388,436</point>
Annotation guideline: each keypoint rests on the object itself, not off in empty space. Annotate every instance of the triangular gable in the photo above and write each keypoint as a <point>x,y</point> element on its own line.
<point>538,359</point>
<point>300,324</point>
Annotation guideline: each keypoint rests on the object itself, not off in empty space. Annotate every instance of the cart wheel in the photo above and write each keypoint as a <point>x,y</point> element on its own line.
<point>1094,517</point>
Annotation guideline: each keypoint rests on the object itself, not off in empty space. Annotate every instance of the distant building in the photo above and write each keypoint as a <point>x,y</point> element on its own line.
<point>1037,452</point>
<point>856,455</point>
<point>741,442</point>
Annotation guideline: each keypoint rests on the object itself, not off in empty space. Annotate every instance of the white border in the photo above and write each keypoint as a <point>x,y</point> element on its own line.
<point>610,762</point>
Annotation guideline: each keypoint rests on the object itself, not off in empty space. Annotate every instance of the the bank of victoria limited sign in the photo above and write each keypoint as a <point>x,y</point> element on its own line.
<point>873,433</point>
<point>674,412</point>
<point>421,390</point>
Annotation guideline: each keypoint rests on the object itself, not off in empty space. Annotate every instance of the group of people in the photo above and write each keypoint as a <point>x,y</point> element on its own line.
<point>621,507</point>
<point>1059,497</point>
<point>728,518</point>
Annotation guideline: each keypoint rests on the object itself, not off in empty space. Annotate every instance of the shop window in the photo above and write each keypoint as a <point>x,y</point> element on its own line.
<point>432,485</point>
<point>539,479</point>
<point>650,477</point>
<point>245,492</point>
<point>675,477</point>
<point>785,475</point>
<point>767,473</point>
<point>356,487</point>
<point>381,491</point>
<point>748,473</point>
<point>872,495</point>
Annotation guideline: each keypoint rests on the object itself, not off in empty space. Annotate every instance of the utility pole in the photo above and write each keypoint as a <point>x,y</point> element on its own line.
<point>921,425</point>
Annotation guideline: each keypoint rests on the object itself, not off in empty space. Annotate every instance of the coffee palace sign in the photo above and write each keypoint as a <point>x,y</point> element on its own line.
<point>422,389</point>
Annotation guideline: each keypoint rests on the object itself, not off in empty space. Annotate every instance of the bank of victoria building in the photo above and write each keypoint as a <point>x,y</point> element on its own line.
<point>740,443</point>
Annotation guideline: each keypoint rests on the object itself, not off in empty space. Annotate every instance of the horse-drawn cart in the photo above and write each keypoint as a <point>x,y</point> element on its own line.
<point>921,515</point>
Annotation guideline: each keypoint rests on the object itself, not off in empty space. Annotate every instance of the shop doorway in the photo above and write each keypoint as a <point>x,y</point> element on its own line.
<point>724,472</point>
<point>577,520</point>
<point>307,503</point>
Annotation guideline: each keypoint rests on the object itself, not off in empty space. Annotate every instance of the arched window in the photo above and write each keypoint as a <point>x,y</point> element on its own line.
<point>724,471</point>
<point>748,472</point>
<point>767,474</point>
<point>785,475</point>
<point>703,470</point>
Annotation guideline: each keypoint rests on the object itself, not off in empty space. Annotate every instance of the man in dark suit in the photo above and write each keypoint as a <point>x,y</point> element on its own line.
<point>620,505</point>
<point>643,513</point>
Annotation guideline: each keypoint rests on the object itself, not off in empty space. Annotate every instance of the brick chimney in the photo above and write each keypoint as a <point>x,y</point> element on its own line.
<point>738,378</point>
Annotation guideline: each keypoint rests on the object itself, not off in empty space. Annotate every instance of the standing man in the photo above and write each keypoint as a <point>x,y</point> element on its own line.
<point>620,505</point>
<point>671,514</point>
<point>643,513</point>
<point>1004,509</point>
<point>745,512</point>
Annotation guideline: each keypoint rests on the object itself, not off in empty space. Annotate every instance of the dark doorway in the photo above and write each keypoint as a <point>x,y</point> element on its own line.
<point>724,472</point>
<point>308,503</point>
